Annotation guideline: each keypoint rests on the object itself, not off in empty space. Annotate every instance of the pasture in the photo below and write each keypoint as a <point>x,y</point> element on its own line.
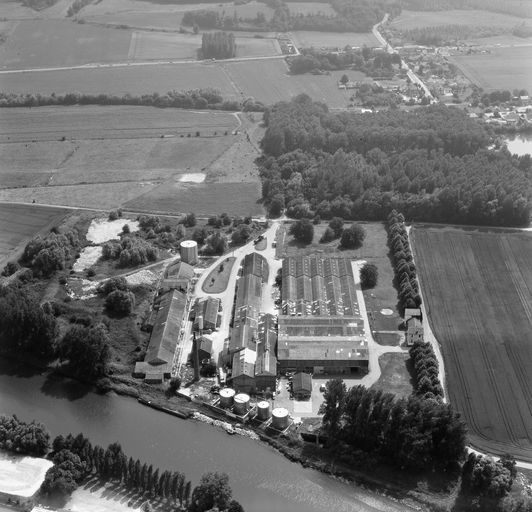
<point>306,39</point>
<point>241,198</point>
<point>269,82</point>
<point>409,20</point>
<point>502,68</point>
<point>140,147</point>
<point>53,43</point>
<point>135,80</point>
<point>20,223</point>
<point>477,288</point>
<point>311,8</point>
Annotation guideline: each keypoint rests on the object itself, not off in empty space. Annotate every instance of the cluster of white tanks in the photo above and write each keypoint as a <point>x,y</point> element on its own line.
<point>241,402</point>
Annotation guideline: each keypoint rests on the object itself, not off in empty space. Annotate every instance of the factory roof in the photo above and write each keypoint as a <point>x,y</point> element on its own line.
<point>266,364</point>
<point>244,363</point>
<point>255,264</point>
<point>302,382</point>
<point>166,328</point>
<point>179,270</point>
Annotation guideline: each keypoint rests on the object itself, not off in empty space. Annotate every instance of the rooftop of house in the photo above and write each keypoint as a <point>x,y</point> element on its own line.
<point>302,382</point>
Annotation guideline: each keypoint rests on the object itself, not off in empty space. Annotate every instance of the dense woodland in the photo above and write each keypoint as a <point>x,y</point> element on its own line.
<point>218,45</point>
<point>413,433</point>
<point>429,163</point>
<point>24,438</point>
<point>449,34</point>
<point>523,9</point>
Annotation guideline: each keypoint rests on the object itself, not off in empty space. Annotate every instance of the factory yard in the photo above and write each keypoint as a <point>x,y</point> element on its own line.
<point>477,286</point>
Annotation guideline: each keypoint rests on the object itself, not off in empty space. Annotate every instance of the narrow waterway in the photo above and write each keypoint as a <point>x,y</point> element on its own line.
<point>262,480</point>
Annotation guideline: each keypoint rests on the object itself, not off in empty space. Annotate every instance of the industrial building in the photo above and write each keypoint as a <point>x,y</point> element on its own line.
<point>204,348</point>
<point>302,386</point>
<point>177,276</point>
<point>320,329</point>
<point>164,338</point>
<point>243,371</point>
<point>266,362</point>
<point>206,315</point>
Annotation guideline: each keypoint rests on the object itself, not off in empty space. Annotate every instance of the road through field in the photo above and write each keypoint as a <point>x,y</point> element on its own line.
<point>477,287</point>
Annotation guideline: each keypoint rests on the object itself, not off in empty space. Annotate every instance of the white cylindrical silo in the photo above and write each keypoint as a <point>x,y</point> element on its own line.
<point>226,397</point>
<point>263,410</point>
<point>280,418</point>
<point>189,251</point>
<point>241,404</point>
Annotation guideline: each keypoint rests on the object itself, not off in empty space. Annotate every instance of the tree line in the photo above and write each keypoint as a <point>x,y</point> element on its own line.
<point>411,433</point>
<point>218,45</point>
<point>430,163</point>
<point>403,263</point>
<point>425,365</point>
<point>202,99</point>
<point>24,438</point>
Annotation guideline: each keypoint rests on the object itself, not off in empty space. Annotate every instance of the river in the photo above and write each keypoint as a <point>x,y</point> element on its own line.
<point>262,480</point>
<point>520,143</point>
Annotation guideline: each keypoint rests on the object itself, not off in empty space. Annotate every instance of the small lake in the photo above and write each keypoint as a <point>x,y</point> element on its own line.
<point>520,143</point>
<point>262,480</point>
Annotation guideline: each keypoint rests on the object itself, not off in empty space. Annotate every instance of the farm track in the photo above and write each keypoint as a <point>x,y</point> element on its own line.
<point>478,296</point>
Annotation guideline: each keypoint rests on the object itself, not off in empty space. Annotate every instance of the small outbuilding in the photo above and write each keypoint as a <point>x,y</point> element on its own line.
<point>414,330</point>
<point>204,348</point>
<point>302,386</point>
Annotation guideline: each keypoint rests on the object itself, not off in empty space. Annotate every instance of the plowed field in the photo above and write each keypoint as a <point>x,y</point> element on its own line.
<point>477,287</point>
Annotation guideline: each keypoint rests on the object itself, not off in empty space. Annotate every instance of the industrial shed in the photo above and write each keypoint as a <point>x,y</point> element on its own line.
<point>243,372</point>
<point>178,276</point>
<point>206,313</point>
<point>302,386</point>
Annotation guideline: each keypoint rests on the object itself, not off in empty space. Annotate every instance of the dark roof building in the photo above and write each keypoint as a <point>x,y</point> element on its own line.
<point>166,328</point>
<point>204,348</point>
<point>266,363</point>
<point>178,275</point>
<point>321,329</point>
<point>302,386</point>
<point>206,313</point>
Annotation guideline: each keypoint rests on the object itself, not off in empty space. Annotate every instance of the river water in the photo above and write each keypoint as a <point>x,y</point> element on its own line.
<point>520,143</point>
<point>262,480</point>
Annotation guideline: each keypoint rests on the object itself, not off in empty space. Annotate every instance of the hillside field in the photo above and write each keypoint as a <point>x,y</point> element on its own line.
<point>409,20</point>
<point>269,82</point>
<point>502,68</point>
<point>306,39</point>
<point>20,223</point>
<point>139,147</point>
<point>135,80</point>
<point>477,288</point>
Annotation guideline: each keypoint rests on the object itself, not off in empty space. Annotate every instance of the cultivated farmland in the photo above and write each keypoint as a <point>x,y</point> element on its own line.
<point>269,82</point>
<point>20,223</point>
<point>133,79</point>
<point>477,287</point>
<point>502,68</point>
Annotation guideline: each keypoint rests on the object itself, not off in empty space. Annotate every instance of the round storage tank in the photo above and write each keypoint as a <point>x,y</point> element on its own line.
<point>280,418</point>
<point>241,405</point>
<point>189,251</point>
<point>226,397</point>
<point>263,411</point>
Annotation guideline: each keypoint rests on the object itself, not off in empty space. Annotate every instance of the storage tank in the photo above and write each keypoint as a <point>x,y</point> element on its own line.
<point>241,405</point>
<point>263,411</point>
<point>280,418</point>
<point>226,397</point>
<point>189,251</point>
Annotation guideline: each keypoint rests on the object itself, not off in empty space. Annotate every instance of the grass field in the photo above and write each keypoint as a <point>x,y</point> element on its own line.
<point>306,39</point>
<point>477,287</point>
<point>503,68</point>
<point>216,281</point>
<point>20,223</point>
<point>269,82</point>
<point>132,79</point>
<point>201,198</point>
<point>121,146</point>
<point>395,377</point>
<point>53,43</point>
<point>421,19</point>
<point>311,8</point>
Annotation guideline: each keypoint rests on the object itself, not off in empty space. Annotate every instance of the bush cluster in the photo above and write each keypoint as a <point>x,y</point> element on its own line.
<point>403,264</point>
<point>427,383</point>
<point>21,437</point>
<point>53,252</point>
<point>130,251</point>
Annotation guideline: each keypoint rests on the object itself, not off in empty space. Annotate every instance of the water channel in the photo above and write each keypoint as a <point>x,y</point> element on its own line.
<point>520,143</point>
<point>262,480</point>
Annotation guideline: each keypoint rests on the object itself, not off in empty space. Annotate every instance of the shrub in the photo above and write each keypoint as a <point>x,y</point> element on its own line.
<point>120,302</point>
<point>328,236</point>
<point>303,231</point>
<point>352,237</point>
<point>113,215</point>
<point>368,276</point>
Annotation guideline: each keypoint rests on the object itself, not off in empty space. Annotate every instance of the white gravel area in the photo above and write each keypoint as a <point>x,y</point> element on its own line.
<point>102,230</point>
<point>88,257</point>
<point>193,177</point>
<point>22,476</point>
<point>142,277</point>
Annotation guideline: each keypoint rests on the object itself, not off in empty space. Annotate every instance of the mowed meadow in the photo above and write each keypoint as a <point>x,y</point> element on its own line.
<point>477,288</point>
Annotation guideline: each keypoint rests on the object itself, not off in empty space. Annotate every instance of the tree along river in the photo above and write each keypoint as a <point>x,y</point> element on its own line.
<point>262,480</point>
